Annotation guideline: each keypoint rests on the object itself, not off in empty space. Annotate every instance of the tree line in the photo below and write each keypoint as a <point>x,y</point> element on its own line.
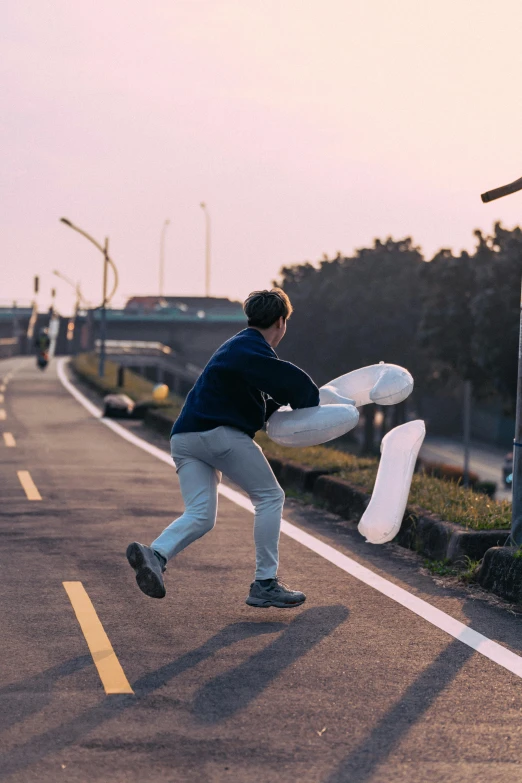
<point>447,319</point>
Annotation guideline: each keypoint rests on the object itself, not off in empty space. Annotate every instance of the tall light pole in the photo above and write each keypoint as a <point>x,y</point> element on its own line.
<point>207,249</point>
<point>516,514</point>
<point>103,307</point>
<point>162,258</point>
<point>71,333</point>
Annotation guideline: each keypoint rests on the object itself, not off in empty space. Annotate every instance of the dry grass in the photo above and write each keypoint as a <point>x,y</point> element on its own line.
<point>447,499</point>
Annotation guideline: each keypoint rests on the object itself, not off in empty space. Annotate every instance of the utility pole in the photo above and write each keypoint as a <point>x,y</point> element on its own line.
<point>103,322</point>
<point>103,307</point>
<point>467,421</point>
<point>516,519</point>
<point>516,514</point>
<point>34,316</point>
<point>207,249</point>
<point>162,259</point>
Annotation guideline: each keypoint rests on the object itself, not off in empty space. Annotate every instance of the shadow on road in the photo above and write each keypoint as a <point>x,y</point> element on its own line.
<point>41,688</point>
<point>360,764</point>
<point>310,627</point>
<point>232,691</point>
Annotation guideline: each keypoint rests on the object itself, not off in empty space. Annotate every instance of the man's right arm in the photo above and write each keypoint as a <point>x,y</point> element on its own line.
<point>286,383</point>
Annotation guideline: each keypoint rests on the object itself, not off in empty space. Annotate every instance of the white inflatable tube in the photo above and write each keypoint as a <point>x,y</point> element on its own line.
<point>384,384</point>
<point>311,426</point>
<point>399,449</point>
<point>329,396</point>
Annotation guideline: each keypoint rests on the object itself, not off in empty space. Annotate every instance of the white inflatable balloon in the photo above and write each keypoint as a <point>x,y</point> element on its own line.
<point>329,396</point>
<point>384,384</point>
<point>311,426</point>
<point>382,518</point>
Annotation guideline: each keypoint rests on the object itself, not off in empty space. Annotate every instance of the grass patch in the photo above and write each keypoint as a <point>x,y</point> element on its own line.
<point>452,502</point>
<point>447,499</point>
<point>440,567</point>
<point>316,456</point>
<point>466,573</point>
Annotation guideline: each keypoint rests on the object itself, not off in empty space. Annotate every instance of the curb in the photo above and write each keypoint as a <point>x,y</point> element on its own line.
<point>501,573</point>
<point>420,531</point>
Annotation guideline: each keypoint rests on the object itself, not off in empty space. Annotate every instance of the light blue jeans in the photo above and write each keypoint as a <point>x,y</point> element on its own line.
<point>200,459</point>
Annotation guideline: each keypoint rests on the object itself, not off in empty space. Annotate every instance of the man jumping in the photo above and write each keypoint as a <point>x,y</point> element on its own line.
<point>243,383</point>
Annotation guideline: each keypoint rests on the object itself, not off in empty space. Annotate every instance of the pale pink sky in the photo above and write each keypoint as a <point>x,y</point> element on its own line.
<point>308,126</point>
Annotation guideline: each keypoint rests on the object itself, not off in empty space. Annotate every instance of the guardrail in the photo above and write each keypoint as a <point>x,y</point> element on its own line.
<point>9,346</point>
<point>135,347</point>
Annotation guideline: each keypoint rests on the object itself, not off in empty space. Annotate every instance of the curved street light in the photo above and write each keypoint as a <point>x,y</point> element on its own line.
<point>102,250</point>
<point>106,299</point>
<point>207,249</point>
<point>80,299</point>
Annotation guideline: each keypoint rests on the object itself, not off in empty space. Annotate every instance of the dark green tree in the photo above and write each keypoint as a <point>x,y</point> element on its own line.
<point>496,310</point>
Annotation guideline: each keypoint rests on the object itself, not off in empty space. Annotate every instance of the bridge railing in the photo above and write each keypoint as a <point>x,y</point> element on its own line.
<point>141,347</point>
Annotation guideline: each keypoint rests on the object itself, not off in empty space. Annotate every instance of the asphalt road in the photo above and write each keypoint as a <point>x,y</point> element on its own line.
<point>351,687</point>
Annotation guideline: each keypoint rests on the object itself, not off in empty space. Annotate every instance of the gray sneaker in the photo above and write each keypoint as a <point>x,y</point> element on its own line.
<point>148,570</point>
<point>275,594</point>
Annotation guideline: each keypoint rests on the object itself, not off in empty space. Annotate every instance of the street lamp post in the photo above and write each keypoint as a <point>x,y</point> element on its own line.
<point>106,261</point>
<point>516,513</point>
<point>71,333</point>
<point>207,249</point>
<point>103,324</point>
<point>162,258</point>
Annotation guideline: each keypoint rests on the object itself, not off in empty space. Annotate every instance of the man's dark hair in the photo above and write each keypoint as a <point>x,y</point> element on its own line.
<point>263,308</point>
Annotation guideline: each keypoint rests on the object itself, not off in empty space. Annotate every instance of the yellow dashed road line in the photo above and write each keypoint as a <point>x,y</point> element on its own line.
<point>9,439</point>
<point>109,668</point>
<point>28,485</point>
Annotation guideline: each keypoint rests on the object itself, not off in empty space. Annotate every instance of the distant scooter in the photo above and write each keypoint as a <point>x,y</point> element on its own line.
<point>42,344</point>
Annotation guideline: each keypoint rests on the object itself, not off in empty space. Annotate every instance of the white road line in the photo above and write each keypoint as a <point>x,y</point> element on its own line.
<point>1,399</point>
<point>9,440</point>
<point>486,647</point>
<point>3,415</point>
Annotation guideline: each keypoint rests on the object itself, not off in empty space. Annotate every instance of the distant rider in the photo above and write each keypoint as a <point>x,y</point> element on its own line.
<point>42,340</point>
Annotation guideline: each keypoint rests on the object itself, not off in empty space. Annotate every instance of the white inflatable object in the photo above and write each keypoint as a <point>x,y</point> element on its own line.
<point>399,449</point>
<point>311,426</point>
<point>329,396</point>
<point>384,384</point>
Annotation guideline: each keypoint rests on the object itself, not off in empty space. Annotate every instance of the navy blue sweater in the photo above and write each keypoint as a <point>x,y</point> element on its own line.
<point>236,384</point>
